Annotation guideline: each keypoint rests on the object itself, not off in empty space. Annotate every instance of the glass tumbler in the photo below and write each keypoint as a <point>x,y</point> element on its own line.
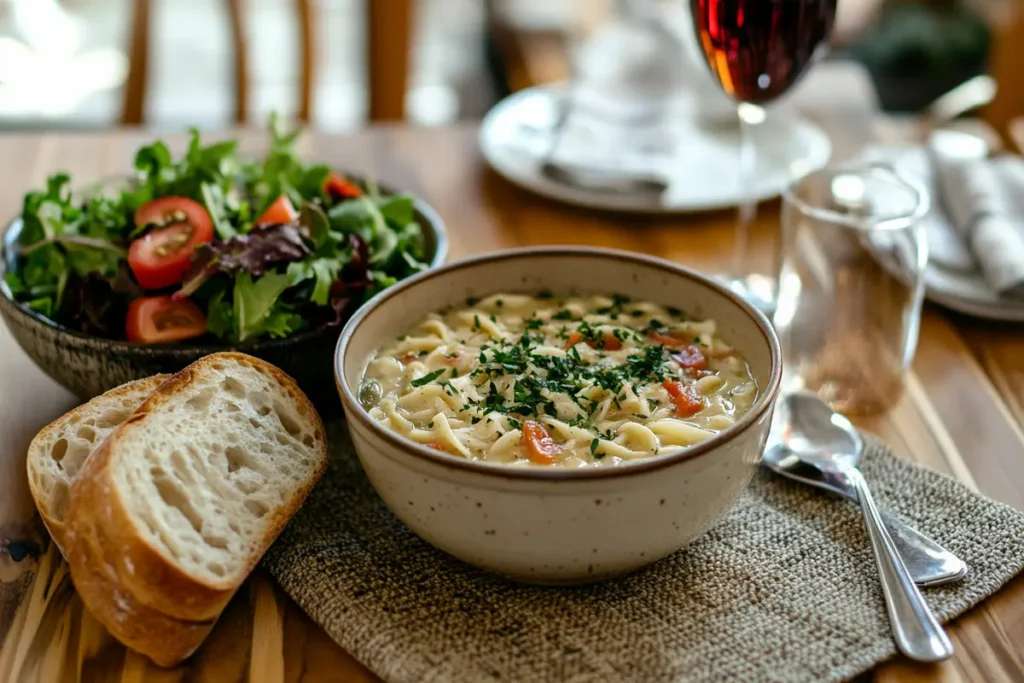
<point>851,284</point>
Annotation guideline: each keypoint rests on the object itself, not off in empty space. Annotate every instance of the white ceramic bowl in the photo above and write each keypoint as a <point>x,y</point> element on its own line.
<point>559,525</point>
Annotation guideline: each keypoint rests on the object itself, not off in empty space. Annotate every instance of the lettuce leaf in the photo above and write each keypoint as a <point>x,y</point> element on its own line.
<point>257,310</point>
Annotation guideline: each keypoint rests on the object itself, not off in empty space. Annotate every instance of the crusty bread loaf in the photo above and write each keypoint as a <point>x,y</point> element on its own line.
<point>58,452</point>
<point>175,508</point>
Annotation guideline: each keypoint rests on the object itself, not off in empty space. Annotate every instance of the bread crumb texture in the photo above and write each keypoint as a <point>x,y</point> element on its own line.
<point>213,464</point>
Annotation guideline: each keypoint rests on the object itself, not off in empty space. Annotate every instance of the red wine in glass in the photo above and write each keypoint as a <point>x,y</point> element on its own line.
<point>757,49</point>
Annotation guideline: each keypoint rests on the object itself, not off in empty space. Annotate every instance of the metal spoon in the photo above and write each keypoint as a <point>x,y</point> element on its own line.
<point>813,433</point>
<point>796,454</point>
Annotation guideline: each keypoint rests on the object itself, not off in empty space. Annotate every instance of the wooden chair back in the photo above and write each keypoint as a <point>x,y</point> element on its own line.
<point>134,104</point>
<point>1006,63</point>
<point>389,36</point>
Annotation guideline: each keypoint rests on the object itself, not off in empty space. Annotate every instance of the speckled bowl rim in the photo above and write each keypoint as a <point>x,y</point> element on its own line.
<point>433,224</point>
<point>765,402</point>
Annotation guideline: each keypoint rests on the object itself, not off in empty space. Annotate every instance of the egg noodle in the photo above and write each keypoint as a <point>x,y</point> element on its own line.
<point>573,381</point>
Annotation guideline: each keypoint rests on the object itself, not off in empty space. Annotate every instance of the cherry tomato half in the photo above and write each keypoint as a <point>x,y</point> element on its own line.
<point>687,399</point>
<point>671,342</point>
<point>541,449</point>
<point>161,256</point>
<point>339,188</point>
<point>162,320</point>
<point>281,211</point>
<point>609,342</point>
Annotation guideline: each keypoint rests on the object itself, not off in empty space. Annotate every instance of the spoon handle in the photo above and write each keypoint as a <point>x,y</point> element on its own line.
<point>917,633</point>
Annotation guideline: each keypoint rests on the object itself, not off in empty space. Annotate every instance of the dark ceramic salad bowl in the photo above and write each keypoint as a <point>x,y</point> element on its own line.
<point>89,365</point>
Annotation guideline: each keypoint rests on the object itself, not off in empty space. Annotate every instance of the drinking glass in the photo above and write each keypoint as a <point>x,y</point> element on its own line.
<point>757,50</point>
<point>851,284</point>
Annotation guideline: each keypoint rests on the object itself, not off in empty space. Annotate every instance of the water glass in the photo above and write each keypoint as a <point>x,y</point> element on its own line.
<point>851,284</point>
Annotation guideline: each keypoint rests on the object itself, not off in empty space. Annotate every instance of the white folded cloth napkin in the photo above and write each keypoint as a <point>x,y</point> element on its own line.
<point>607,143</point>
<point>984,200</point>
<point>976,258</point>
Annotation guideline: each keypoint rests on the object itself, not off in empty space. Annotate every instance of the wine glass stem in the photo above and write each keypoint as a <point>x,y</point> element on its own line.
<point>750,116</point>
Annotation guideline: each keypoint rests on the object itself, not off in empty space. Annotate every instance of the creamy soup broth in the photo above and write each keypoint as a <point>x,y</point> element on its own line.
<point>558,381</point>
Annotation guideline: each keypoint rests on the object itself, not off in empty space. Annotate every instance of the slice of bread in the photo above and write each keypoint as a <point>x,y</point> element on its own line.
<point>163,639</point>
<point>179,503</point>
<point>58,452</point>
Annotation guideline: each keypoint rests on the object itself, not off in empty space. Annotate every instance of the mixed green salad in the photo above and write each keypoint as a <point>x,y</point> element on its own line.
<point>212,246</point>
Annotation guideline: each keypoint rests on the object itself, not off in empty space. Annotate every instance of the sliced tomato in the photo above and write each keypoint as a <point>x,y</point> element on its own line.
<point>691,358</point>
<point>687,399</point>
<point>673,342</point>
<point>162,320</point>
<point>610,341</point>
<point>160,258</point>
<point>338,188</point>
<point>540,447</point>
<point>281,211</point>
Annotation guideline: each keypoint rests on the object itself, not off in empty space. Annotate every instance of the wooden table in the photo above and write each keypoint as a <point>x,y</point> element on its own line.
<point>961,414</point>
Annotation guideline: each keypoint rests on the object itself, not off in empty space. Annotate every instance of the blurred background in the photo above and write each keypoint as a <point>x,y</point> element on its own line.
<point>340,63</point>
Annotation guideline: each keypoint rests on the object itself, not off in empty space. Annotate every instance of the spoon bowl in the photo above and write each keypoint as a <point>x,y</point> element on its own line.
<point>813,445</point>
<point>817,434</point>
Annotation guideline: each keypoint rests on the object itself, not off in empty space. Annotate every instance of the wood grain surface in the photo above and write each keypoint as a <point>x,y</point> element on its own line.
<point>961,414</point>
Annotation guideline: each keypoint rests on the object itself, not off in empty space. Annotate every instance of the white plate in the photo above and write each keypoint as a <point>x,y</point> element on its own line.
<point>969,295</point>
<point>514,137</point>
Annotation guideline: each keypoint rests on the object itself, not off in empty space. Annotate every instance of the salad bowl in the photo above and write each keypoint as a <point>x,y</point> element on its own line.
<point>89,365</point>
<point>105,288</point>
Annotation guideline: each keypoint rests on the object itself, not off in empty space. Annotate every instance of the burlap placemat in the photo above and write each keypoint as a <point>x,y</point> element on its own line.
<point>784,589</point>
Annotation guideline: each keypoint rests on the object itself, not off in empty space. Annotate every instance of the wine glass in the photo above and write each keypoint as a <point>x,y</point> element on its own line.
<point>757,50</point>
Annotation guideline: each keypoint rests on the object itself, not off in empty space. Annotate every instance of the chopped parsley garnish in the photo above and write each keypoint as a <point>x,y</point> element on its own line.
<point>593,446</point>
<point>617,302</point>
<point>427,378</point>
<point>537,377</point>
<point>564,314</point>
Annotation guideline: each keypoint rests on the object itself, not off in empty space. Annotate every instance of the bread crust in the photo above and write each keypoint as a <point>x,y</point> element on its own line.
<point>154,580</point>
<point>59,426</point>
<point>165,640</point>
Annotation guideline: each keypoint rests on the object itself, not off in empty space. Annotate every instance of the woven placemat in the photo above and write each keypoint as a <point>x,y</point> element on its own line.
<point>784,589</point>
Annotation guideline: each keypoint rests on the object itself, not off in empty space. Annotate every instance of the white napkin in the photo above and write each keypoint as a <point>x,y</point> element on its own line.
<point>614,143</point>
<point>955,277</point>
<point>984,200</point>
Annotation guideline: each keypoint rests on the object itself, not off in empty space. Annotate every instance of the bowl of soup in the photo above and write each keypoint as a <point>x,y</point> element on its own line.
<point>559,415</point>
